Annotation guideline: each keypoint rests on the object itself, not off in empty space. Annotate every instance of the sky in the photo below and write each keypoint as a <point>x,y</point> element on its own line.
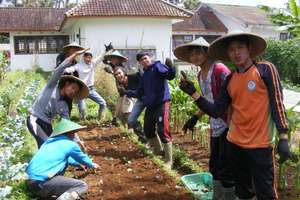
<point>272,3</point>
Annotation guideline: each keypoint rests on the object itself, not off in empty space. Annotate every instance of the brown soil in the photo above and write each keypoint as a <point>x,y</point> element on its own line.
<point>126,173</point>
<point>196,150</point>
<point>199,152</point>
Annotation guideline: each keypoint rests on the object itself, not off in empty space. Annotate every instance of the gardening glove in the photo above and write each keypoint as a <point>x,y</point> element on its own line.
<point>190,123</point>
<point>187,86</point>
<point>169,63</point>
<point>105,62</point>
<point>108,47</point>
<point>283,150</point>
<point>122,91</point>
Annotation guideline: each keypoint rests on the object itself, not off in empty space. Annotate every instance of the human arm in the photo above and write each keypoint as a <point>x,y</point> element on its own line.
<point>215,109</point>
<point>167,70</point>
<point>271,78</point>
<point>58,72</point>
<point>71,69</point>
<point>137,93</point>
<point>81,157</point>
<point>189,125</point>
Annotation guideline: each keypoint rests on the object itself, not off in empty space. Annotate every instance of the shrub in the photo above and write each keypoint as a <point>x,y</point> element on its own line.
<point>106,86</point>
<point>285,55</point>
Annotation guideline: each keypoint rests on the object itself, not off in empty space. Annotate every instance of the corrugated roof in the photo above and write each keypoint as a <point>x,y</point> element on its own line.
<point>247,14</point>
<point>203,20</point>
<point>31,19</point>
<point>145,8</point>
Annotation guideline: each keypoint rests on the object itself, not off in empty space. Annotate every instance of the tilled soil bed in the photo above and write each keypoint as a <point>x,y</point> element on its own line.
<point>126,173</point>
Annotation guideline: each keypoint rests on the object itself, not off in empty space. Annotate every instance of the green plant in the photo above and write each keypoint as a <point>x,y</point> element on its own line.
<point>183,107</point>
<point>106,86</point>
<point>289,21</point>
<point>3,66</point>
<point>285,56</point>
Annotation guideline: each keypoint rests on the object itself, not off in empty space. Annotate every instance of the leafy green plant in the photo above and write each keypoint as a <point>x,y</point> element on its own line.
<point>289,21</point>
<point>3,66</point>
<point>183,107</point>
<point>285,56</point>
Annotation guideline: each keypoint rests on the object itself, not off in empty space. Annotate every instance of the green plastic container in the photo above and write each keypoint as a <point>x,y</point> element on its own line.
<point>200,184</point>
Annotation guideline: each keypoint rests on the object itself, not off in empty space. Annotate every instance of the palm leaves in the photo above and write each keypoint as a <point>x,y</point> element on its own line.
<point>286,20</point>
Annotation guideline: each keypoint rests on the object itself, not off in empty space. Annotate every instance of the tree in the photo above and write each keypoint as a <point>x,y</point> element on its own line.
<point>191,4</point>
<point>289,21</point>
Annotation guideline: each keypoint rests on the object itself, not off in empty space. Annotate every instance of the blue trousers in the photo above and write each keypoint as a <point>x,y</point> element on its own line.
<point>93,95</point>
<point>137,109</point>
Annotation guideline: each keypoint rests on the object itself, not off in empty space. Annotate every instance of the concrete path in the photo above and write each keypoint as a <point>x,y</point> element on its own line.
<point>291,99</point>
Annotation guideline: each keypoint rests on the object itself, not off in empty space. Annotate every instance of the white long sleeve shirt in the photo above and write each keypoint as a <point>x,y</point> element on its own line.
<point>85,71</point>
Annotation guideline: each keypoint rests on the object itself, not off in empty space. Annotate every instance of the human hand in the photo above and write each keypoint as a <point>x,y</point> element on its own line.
<point>189,125</point>
<point>169,62</point>
<point>108,47</point>
<point>283,150</point>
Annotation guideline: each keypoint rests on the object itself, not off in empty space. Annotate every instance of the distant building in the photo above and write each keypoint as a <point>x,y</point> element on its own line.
<point>37,35</point>
<point>247,18</point>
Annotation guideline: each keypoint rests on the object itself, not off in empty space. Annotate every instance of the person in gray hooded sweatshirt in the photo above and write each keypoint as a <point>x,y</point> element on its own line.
<point>55,100</point>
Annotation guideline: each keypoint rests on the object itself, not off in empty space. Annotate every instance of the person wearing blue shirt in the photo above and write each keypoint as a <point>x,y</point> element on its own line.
<point>155,94</point>
<point>47,167</point>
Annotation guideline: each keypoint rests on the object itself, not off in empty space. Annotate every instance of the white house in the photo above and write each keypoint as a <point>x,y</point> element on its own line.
<point>34,36</point>
<point>37,35</point>
<point>246,18</point>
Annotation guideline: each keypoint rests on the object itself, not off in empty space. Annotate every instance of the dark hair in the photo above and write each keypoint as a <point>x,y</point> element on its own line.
<point>198,49</point>
<point>244,39</point>
<point>87,54</point>
<point>68,100</point>
<point>121,68</point>
<point>141,54</point>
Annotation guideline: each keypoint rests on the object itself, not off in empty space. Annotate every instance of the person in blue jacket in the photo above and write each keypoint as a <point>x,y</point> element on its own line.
<point>47,167</point>
<point>154,93</point>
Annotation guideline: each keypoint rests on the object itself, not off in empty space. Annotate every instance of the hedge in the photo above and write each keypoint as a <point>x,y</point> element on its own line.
<point>285,55</point>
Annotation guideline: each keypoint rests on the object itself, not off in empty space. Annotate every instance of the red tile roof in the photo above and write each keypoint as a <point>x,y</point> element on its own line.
<point>203,20</point>
<point>144,8</point>
<point>31,19</point>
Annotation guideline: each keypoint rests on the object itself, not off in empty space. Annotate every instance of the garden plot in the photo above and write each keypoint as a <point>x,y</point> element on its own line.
<point>126,173</point>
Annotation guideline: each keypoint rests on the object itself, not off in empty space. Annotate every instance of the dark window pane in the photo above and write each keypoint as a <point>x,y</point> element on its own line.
<point>132,64</point>
<point>4,38</point>
<point>40,44</point>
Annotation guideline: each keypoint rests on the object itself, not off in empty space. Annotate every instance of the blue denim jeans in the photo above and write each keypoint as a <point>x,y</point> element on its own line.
<point>93,95</point>
<point>135,113</point>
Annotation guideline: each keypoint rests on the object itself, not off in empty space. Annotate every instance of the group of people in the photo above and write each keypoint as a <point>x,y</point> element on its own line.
<point>245,108</point>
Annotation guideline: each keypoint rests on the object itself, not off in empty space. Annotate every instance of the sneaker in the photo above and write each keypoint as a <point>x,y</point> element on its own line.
<point>68,196</point>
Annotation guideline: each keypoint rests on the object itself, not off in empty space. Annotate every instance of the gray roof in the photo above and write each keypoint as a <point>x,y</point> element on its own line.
<point>247,14</point>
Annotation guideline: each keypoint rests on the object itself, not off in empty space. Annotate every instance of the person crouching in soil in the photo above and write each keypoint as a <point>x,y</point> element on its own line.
<point>47,167</point>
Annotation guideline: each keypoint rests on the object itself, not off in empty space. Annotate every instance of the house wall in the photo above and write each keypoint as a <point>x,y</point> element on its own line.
<point>28,61</point>
<point>124,33</point>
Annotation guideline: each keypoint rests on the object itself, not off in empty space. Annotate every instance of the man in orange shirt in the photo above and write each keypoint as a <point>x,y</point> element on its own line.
<point>254,94</point>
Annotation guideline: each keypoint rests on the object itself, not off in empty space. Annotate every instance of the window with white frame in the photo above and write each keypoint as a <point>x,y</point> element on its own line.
<point>40,44</point>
